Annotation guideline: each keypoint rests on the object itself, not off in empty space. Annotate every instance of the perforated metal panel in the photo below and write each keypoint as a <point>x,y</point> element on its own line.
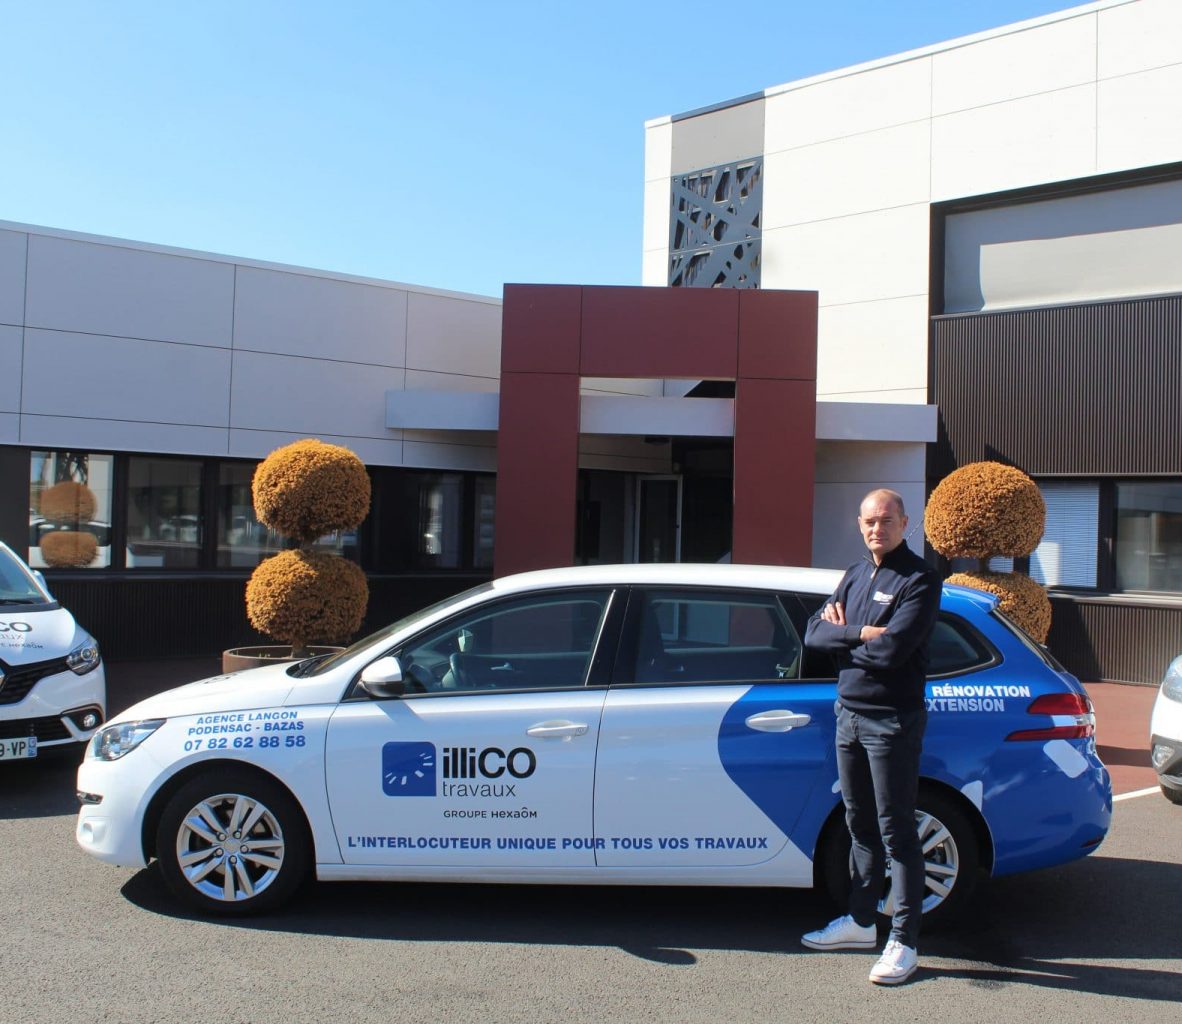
<point>715,237</point>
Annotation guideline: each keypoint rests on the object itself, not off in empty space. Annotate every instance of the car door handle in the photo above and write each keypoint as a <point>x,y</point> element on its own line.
<point>558,727</point>
<point>778,720</point>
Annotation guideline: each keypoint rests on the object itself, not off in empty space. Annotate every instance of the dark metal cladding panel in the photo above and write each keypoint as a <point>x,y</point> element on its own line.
<point>1102,640</point>
<point>1093,389</point>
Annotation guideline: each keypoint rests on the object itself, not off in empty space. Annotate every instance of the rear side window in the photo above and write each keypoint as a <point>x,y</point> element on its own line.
<point>957,648</point>
<point>704,636</point>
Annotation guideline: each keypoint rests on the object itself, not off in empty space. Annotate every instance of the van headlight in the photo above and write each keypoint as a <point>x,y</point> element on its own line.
<point>83,658</point>
<point>116,740</point>
<point>1171,685</point>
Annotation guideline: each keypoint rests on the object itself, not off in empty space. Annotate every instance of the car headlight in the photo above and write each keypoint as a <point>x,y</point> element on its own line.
<point>1171,685</point>
<point>83,658</point>
<point>116,740</point>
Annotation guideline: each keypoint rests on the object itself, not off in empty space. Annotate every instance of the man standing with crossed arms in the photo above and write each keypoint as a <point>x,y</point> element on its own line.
<point>877,624</point>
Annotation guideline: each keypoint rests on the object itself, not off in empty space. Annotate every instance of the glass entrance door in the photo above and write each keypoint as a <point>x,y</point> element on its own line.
<point>658,519</point>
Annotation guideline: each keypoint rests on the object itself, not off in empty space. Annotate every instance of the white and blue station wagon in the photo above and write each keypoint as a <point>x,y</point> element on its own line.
<point>626,725</point>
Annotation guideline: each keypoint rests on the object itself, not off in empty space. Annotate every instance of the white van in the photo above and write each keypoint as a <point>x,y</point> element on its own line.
<point>53,692</point>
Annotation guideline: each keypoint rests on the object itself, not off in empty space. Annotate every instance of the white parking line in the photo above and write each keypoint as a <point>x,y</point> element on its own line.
<point>1136,792</point>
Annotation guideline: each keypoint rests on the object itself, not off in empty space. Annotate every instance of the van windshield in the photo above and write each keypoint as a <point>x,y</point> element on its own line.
<point>17,585</point>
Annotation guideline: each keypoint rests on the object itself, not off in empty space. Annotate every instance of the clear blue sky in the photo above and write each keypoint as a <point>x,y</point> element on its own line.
<point>456,145</point>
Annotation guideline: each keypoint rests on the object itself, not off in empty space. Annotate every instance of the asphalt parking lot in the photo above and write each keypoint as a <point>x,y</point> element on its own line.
<point>1097,940</point>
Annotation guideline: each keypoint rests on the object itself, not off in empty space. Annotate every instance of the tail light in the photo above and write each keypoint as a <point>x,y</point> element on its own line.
<point>1071,713</point>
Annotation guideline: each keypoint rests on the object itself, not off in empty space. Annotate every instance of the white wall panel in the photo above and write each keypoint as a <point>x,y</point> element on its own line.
<point>10,368</point>
<point>112,290</point>
<point>1022,142</point>
<point>439,453</point>
<point>10,428</point>
<point>831,109</point>
<point>852,259</point>
<point>1039,59</point>
<point>656,215</point>
<point>12,277</point>
<point>122,435</point>
<point>433,380</point>
<point>1136,37</point>
<point>85,375</point>
<point>305,315</point>
<point>453,335</point>
<point>643,386</point>
<point>1140,118</point>
<point>1072,249</point>
<point>658,150</point>
<point>654,268</point>
<point>905,396</point>
<point>258,444</point>
<point>873,346</point>
<point>841,462</point>
<point>311,396</point>
<point>871,171</point>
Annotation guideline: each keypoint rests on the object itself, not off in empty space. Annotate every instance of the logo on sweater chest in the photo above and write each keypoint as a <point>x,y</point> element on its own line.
<point>883,599</point>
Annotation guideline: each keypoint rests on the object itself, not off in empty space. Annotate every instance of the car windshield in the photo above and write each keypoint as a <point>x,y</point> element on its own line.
<point>377,640</point>
<point>17,585</point>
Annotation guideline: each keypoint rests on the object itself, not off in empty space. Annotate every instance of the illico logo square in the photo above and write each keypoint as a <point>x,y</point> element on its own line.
<point>408,769</point>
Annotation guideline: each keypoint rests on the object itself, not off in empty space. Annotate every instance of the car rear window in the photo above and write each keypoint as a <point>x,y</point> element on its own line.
<point>957,648</point>
<point>1041,650</point>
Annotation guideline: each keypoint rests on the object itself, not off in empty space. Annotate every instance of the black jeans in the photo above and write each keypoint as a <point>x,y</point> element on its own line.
<point>878,765</point>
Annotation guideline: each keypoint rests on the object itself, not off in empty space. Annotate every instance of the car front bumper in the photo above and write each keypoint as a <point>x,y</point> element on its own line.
<point>54,708</point>
<point>115,797</point>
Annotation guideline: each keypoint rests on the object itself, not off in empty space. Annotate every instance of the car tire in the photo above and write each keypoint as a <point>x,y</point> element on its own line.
<point>217,868</point>
<point>1173,795</point>
<point>952,852</point>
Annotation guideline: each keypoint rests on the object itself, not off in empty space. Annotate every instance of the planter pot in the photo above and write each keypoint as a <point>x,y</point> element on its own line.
<point>238,658</point>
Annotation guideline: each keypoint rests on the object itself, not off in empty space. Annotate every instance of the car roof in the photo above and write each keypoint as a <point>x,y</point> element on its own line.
<point>681,574</point>
<point>759,577</point>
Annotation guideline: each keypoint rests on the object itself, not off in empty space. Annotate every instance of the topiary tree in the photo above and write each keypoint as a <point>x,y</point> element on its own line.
<point>301,596</point>
<point>67,504</point>
<point>984,510</point>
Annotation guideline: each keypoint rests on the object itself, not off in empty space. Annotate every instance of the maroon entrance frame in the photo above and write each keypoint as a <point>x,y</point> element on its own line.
<point>552,335</point>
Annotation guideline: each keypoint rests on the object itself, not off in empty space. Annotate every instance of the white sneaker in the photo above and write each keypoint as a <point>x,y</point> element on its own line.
<point>844,933</point>
<point>896,965</point>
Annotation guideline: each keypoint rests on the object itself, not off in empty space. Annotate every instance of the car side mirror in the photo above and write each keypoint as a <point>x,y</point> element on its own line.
<point>40,578</point>
<point>383,678</point>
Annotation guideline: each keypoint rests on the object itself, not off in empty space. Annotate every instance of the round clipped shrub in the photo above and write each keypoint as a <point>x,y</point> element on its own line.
<point>307,489</point>
<point>985,509</point>
<point>303,597</point>
<point>65,549</point>
<point>68,502</point>
<point>1022,599</point>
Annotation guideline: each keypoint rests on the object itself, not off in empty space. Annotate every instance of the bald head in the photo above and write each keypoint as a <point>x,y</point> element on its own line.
<point>883,522</point>
<point>885,494</point>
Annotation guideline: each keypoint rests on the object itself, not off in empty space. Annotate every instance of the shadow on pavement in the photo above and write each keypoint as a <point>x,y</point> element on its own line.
<point>41,788</point>
<point>1024,930</point>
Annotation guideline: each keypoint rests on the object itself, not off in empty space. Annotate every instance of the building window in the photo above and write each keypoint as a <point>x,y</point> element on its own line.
<point>715,235</point>
<point>1066,556</point>
<point>164,521</point>
<point>485,516</point>
<point>440,504</point>
<point>69,510</point>
<point>242,539</point>
<point>1149,536</point>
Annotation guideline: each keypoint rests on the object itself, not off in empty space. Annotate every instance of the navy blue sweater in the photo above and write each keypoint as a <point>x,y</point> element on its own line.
<point>887,673</point>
